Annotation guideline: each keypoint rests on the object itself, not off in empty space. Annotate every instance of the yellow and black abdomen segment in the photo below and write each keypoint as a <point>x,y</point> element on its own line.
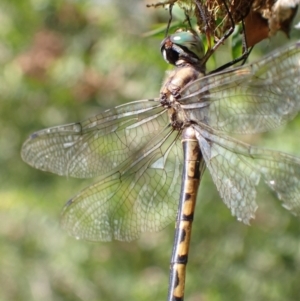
<point>193,168</point>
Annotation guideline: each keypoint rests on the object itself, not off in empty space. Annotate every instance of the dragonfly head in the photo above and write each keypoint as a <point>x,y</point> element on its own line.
<point>184,45</point>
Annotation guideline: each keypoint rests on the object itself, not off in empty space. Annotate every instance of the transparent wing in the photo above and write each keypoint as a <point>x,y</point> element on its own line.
<point>237,167</point>
<point>97,145</point>
<point>138,157</point>
<point>249,99</point>
<point>143,196</point>
<point>234,179</point>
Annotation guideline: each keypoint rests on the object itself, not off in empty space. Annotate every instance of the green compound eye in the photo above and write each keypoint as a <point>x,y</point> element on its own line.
<point>190,41</point>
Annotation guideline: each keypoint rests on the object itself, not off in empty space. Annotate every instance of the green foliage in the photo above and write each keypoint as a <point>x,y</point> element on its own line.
<point>62,61</point>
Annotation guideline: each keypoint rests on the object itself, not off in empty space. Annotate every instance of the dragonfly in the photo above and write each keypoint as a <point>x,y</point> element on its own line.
<point>149,155</point>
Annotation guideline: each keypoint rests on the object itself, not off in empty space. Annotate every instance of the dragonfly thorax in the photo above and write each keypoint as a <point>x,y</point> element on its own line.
<point>176,80</point>
<point>170,93</point>
<point>183,49</point>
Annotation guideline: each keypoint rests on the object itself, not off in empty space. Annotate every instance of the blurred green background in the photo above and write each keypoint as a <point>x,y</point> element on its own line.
<point>63,61</point>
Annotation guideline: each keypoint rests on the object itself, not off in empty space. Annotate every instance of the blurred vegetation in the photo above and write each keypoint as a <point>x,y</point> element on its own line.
<point>62,61</point>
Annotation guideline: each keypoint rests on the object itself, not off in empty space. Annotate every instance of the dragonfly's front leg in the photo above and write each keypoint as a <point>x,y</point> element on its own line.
<point>176,81</point>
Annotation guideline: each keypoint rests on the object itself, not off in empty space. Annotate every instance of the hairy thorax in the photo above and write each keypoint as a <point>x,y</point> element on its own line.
<point>170,93</point>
